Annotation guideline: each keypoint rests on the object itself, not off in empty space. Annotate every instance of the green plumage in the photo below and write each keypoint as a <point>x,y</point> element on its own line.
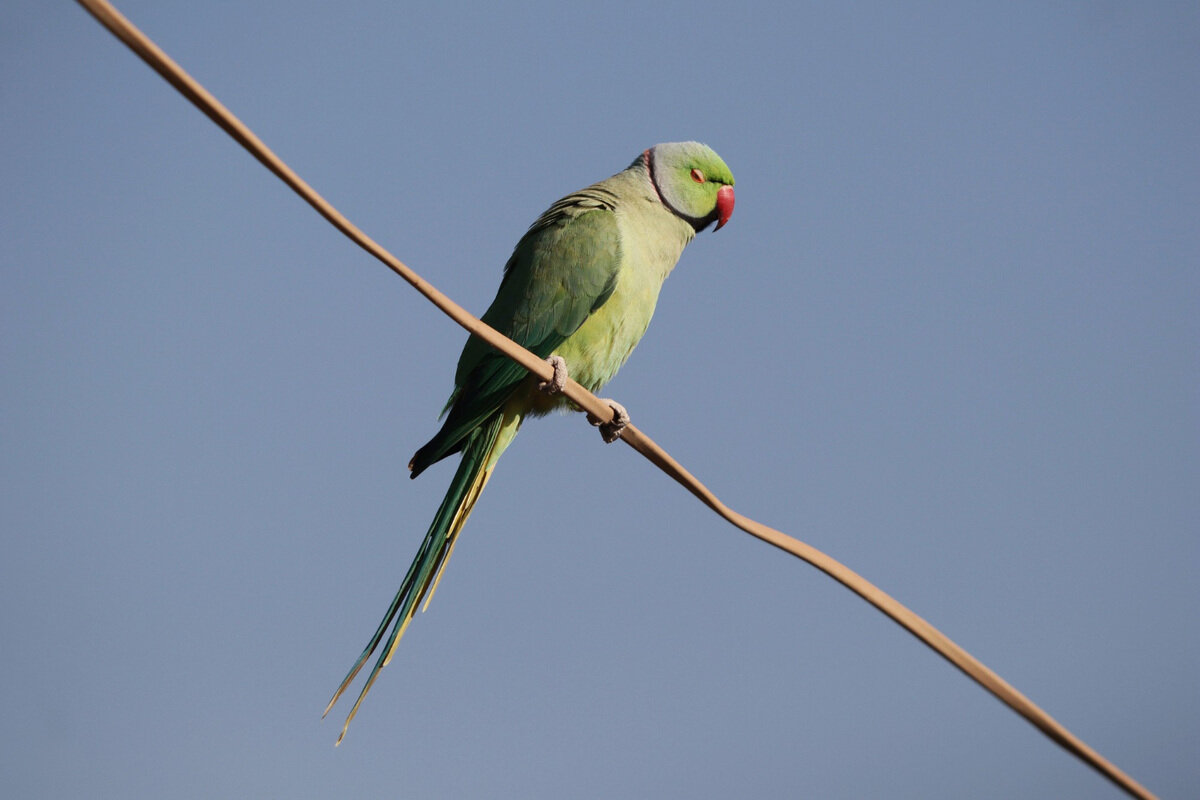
<point>582,283</point>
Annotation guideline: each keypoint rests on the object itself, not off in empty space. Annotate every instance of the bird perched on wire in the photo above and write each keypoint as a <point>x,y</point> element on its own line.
<point>579,290</point>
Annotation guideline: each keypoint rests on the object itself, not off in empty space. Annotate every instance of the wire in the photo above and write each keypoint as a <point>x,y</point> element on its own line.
<point>124,30</point>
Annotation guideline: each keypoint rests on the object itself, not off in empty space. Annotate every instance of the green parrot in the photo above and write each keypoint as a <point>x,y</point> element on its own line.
<point>579,290</point>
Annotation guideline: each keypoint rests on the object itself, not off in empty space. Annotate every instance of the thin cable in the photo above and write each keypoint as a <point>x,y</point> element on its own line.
<point>120,27</point>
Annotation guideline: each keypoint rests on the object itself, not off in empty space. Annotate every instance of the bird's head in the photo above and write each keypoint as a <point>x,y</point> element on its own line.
<point>693,182</point>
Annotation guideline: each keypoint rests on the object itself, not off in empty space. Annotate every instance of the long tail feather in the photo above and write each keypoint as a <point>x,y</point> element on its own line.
<point>479,458</point>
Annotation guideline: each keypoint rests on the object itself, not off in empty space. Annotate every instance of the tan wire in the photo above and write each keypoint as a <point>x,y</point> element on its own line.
<point>199,96</point>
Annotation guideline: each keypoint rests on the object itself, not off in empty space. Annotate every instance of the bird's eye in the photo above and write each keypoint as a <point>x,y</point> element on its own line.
<point>697,176</point>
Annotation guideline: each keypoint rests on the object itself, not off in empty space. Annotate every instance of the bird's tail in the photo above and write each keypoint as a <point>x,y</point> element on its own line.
<point>480,454</point>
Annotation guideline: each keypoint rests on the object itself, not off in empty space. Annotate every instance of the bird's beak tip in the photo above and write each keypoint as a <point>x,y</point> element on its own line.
<point>725,201</point>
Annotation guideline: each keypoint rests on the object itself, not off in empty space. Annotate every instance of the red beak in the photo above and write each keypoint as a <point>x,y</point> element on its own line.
<point>724,206</point>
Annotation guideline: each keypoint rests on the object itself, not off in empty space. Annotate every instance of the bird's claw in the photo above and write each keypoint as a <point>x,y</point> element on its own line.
<point>611,431</point>
<point>555,384</point>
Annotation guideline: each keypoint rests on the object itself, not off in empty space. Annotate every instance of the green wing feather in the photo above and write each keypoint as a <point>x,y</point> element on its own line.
<point>563,269</point>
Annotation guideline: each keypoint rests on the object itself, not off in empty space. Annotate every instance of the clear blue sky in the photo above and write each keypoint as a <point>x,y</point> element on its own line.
<point>951,337</point>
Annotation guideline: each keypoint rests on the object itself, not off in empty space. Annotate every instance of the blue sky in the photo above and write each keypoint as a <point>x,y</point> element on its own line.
<point>949,337</point>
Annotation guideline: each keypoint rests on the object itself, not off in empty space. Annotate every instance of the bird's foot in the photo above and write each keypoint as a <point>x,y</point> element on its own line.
<point>611,431</point>
<point>555,384</point>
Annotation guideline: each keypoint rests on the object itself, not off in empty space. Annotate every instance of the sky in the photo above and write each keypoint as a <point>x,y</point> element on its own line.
<point>950,337</point>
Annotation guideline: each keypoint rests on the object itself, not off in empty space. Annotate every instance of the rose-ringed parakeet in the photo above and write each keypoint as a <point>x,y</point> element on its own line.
<point>579,290</point>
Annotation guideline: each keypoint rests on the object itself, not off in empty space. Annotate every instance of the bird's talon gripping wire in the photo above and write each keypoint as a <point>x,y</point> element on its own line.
<point>555,384</point>
<point>611,431</point>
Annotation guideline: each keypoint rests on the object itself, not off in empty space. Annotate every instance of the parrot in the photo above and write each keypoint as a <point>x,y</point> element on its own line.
<point>579,291</point>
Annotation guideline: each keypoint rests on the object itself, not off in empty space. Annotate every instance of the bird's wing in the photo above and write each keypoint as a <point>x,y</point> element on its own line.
<point>563,269</point>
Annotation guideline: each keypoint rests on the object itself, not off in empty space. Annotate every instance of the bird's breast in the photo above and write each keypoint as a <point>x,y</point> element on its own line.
<point>649,249</point>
